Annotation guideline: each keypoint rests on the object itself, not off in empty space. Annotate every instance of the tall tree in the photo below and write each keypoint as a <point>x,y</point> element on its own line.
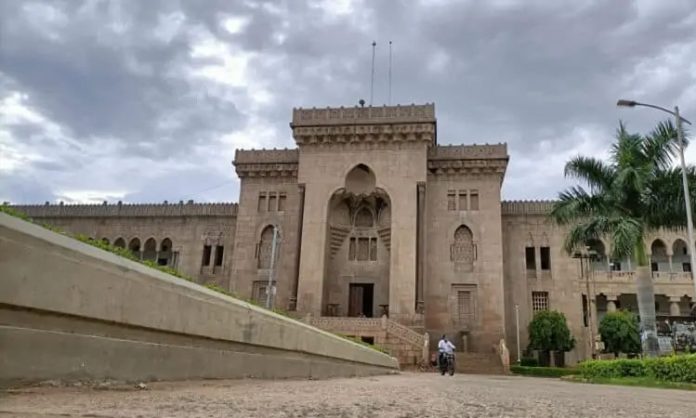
<point>635,192</point>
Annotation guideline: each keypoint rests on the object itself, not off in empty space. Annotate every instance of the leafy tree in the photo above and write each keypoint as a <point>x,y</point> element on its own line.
<point>619,331</point>
<point>635,192</point>
<point>548,331</point>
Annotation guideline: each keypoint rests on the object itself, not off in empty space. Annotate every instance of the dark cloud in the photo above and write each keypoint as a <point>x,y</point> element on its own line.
<point>542,76</point>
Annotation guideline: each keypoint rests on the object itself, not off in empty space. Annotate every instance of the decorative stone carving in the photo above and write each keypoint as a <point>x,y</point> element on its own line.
<point>462,249</point>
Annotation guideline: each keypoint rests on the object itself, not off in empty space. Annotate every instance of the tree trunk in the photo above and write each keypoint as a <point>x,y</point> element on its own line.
<point>646,308</point>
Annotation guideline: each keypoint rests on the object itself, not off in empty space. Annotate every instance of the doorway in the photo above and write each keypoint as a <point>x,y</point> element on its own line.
<point>360,300</point>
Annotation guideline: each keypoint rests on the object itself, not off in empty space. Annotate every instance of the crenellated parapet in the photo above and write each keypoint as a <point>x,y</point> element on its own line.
<point>526,207</point>
<point>468,159</point>
<point>468,152</point>
<point>363,115</point>
<point>129,210</point>
<point>266,163</point>
<point>364,125</point>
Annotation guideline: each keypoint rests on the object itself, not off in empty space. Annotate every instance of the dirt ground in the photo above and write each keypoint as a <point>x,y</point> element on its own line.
<point>405,395</point>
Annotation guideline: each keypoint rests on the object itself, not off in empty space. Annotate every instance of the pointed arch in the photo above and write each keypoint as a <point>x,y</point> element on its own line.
<point>120,243</point>
<point>462,249</point>
<point>150,249</point>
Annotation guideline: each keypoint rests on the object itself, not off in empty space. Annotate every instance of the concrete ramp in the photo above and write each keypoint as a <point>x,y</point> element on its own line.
<point>70,311</point>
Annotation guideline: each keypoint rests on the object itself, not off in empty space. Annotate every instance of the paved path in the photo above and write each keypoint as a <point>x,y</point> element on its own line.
<point>406,395</point>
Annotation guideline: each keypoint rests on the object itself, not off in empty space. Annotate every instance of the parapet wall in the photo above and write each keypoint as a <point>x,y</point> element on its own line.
<point>70,311</point>
<point>132,210</point>
<point>468,152</point>
<point>526,207</point>
<point>363,115</point>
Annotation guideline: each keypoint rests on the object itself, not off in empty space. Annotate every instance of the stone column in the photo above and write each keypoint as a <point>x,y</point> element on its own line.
<point>402,266</point>
<point>674,308</point>
<point>312,260</point>
<point>292,305</point>
<point>669,257</point>
<point>611,303</point>
<point>420,249</point>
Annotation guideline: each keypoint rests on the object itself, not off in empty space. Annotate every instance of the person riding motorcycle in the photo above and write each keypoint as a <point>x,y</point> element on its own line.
<point>444,347</point>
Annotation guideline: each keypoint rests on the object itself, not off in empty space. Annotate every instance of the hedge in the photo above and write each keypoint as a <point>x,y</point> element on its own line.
<point>543,371</point>
<point>680,368</point>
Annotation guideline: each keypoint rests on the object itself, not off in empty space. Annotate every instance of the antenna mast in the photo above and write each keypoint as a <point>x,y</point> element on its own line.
<point>372,78</point>
<point>390,71</point>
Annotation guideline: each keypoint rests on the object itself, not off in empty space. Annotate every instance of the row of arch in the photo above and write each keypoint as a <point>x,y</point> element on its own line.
<point>149,250</point>
<point>658,248</point>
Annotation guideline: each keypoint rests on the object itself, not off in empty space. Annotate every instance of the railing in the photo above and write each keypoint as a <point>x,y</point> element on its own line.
<point>339,323</point>
<point>629,276</point>
<point>404,333</point>
<point>351,324</point>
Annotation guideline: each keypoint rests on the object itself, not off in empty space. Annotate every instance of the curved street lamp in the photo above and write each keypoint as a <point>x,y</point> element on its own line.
<point>687,198</point>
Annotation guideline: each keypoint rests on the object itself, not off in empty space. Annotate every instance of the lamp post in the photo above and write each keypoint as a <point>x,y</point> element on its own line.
<point>589,255</point>
<point>685,182</point>
<point>270,287</point>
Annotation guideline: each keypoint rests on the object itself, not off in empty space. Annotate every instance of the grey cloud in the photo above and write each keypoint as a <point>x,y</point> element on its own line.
<point>528,72</point>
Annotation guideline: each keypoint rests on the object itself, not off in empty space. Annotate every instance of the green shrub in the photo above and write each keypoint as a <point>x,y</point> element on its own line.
<point>669,369</point>
<point>529,362</point>
<point>543,371</point>
<point>619,331</point>
<point>548,331</point>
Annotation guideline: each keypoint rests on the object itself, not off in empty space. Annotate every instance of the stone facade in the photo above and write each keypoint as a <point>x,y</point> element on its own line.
<point>374,218</point>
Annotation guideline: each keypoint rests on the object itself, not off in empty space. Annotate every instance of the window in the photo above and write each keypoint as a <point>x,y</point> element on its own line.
<point>264,252</point>
<point>616,266</point>
<point>262,202</point>
<point>451,200</point>
<point>219,251</point>
<point>206,255</point>
<point>281,202</point>
<point>462,249</point>
<point>653,266</point>
<point>545,253</point>
<point>259,292</point>
<point>540,301</point>
<point>272,202</point>
<point>584,311</point>
<point>351,249</point>
<point>473,200</point>
<point>465,309</point>
<point>373,249</point>
<point>363,249</point>
<point>686,267</point>
<point>462,200</point>
<point>529,257</point>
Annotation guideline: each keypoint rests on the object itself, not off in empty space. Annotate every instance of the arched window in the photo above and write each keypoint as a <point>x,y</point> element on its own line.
<point>134,246</point>
<point>150,249</point>
<point>462,249</point>
<point>265,248</point>
<point>364,218</point>
<point>120,242</point>
<point>105,240</point>
<point>165,254</point>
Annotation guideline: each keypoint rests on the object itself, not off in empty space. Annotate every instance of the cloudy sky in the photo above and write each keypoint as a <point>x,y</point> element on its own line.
<point>147,100</point>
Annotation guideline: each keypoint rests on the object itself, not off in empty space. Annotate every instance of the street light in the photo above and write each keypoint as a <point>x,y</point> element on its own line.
<point>685,181</point>
<point>590,255</point>
<point>270,289</point>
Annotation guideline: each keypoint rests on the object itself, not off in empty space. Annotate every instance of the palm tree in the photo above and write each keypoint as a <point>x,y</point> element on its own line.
<point>635,192</point>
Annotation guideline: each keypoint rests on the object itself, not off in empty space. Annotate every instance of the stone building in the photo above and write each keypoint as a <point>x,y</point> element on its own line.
<point>384,234</point>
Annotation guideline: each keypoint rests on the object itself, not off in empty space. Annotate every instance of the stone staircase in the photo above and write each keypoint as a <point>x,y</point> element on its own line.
<point>478,363</point>
<point>401,341</point>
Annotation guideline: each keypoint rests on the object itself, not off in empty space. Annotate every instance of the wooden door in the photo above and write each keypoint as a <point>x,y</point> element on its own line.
<point>355,303</point>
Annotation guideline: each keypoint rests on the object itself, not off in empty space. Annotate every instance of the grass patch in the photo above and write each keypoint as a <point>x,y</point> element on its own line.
<point>646,382</point>
<point>363,343</point>
<point>543,371</point>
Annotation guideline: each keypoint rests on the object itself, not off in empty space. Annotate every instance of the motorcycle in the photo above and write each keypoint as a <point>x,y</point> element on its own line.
<point>447,364</point>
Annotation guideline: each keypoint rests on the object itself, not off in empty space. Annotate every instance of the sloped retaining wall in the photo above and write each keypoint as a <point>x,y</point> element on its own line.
<point>71,311</point>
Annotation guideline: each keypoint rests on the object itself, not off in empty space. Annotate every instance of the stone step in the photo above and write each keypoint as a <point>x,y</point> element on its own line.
<point>478,363</point>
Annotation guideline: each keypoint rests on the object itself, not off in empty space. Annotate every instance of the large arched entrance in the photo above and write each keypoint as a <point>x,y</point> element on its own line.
<point>356,282</point>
